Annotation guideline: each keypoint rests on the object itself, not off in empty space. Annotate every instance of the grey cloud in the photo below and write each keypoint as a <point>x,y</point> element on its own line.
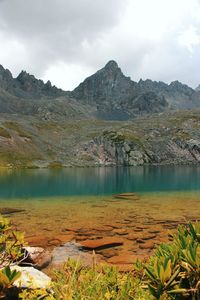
<point>57,30</point>
<point>88,33</point>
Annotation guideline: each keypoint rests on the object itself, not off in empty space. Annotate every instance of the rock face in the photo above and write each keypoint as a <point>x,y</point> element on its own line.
<point>117,96</point>
<point>115,148</point>
<point>27,86</point>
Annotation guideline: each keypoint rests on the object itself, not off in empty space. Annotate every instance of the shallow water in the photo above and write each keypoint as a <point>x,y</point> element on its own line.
<point>58,206</point>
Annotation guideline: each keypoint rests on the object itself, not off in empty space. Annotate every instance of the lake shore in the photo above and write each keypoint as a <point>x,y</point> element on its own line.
<point>119,228</point>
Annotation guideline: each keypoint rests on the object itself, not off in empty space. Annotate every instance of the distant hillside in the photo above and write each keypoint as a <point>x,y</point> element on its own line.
<point>165,138</point>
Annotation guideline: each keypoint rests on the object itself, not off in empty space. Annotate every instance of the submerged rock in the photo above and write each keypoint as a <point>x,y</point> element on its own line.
<point>127,196</point>
<point>103,243</point>
<point>70,250</point>
<point>9,210</point>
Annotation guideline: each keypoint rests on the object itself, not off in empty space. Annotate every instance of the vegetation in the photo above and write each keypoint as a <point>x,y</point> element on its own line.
<point>172,273</point>
<point>11,243</point>
<point>14,126</point>
<point>4,133</point>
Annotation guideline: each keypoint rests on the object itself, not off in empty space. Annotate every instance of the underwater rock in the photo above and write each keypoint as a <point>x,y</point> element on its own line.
<point>127,196</point>
<point>104,243</point>
<point>9,211</point>
<point>70,250</point>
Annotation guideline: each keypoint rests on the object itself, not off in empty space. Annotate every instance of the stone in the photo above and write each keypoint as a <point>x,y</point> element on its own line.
<point>31,278</point>
<point>147,245</point>
<point>132,236</point>
<point>37,256</point>
<point>37,241</point>
<point>127,196</point>
<point>120,231</point>
<point>103,243</point>
<point>122,259</point>
<point>70,250</point>
<point>9,210</point>
<point>32,252</point>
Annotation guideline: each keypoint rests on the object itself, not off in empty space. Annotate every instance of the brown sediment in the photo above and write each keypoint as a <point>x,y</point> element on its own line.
<point>138,226</point>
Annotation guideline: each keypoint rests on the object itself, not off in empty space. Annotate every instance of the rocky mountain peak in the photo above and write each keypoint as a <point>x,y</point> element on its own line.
<point>108,84</point>
<point>111,65</point>
<point>198,88</point>
<point>6,79</point>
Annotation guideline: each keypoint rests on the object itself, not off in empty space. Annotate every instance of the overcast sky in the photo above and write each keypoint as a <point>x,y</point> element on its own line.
<point>67,40</point>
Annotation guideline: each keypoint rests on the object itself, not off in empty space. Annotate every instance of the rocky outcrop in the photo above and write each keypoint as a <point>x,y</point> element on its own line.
<point>27,86</point>
<point>115,148</point>
<point>37,88</point>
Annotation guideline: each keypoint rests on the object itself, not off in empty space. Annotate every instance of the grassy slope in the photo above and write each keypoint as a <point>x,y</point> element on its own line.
<point>32,141</point>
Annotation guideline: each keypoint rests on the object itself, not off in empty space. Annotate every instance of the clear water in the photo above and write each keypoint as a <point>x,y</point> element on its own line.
<point>97,181</point>
<point>56,206</point>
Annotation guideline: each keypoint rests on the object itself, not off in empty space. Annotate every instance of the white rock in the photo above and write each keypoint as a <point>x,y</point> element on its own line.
<point>34,252</point>
<point>31,278</point>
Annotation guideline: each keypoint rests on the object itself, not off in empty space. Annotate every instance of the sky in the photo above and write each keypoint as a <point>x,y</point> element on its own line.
<point>65,41</point>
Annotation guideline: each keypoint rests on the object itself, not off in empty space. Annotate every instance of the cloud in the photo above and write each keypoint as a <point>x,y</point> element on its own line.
<point>67,40</point>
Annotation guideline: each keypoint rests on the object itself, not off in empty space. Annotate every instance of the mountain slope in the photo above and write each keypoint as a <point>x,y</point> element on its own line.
<point>118,97</point>
<point>108,94</point>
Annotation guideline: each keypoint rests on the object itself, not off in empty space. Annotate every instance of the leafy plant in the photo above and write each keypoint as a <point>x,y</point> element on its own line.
<point>174,270</point>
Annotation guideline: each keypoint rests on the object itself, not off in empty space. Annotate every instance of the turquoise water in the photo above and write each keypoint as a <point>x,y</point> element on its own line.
<point>97,181</point>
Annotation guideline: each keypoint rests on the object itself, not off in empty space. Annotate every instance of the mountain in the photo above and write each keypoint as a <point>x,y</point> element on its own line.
<point>118,97</point>
<point>108,94</point>
<point>43,126</point>
<point>27,86</point>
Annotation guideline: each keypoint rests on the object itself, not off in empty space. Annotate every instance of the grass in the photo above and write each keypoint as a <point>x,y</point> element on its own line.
<point>4,133</point>
<point>16,127</point>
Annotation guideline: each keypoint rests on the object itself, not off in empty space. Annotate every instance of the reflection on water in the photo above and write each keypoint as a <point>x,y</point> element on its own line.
<point>98,181</point>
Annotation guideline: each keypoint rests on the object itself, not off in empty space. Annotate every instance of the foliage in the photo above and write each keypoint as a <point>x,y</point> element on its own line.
<point>38,294</point>
<point>11,243</point>
<point>174,270</point>
<point>4,133</point>
<point>98,282</point>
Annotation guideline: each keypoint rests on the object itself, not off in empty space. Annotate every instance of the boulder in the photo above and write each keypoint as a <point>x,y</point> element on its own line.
<point>31,278</point>
<point>37,256</point>
<point>70,250</point>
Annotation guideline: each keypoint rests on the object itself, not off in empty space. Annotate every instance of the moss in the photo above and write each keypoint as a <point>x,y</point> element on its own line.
<point>55,165</point>
<point>86,157</point>
<point>4,133</point>
<point>16,127</point>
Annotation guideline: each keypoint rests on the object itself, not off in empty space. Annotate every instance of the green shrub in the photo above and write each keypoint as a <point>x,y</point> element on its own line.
<point>11,243</point>
<point>174,269</point>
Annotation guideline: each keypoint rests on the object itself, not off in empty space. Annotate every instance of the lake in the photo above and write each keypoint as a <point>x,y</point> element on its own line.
<point>97,181</point>
<point>57,206</point>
